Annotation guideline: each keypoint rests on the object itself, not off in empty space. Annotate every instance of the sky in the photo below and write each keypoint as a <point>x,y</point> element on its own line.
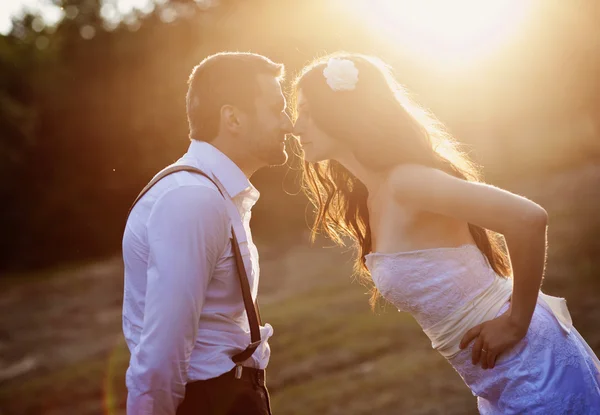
<point>449,33</point>
<point>52,14</point>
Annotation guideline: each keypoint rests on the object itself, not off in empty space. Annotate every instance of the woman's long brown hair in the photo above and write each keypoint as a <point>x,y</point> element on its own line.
<point>384,128</point>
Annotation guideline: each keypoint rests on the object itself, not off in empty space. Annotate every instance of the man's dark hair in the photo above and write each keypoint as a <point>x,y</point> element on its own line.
<point>220,79</point>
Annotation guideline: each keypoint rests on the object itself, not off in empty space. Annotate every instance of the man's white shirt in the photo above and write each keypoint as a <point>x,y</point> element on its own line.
<point>183,312</point>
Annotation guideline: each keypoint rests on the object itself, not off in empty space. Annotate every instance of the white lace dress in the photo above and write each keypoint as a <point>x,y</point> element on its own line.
<point>547,372</point>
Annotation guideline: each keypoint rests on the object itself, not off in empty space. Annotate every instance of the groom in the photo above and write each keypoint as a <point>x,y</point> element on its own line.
<point>191,268</point>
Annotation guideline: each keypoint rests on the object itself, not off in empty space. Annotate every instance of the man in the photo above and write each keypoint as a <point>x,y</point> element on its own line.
<point>184,316</point>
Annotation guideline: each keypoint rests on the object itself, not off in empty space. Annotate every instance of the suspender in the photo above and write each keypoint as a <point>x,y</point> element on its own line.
<point>251,307</point>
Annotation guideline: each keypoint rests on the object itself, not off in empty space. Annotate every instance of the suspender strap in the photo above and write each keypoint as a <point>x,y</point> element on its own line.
<point>251,307</point>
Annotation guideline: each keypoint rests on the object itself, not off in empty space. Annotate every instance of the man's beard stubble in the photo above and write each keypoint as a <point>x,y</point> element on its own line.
<point>274,154</point>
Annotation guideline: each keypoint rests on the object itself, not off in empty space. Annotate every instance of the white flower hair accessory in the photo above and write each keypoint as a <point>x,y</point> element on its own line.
<point>341,74</point>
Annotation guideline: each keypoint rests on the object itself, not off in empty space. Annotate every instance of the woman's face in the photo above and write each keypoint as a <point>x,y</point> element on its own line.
<point>316,143</point>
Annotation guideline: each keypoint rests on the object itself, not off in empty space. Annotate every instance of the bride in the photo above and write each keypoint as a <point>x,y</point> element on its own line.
<point>428,232</point>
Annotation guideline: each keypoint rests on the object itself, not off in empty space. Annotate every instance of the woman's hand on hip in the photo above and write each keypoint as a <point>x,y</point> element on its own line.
<point>492,338</point>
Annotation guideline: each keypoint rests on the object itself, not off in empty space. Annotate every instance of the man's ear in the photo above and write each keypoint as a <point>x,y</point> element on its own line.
<point>230,117</point>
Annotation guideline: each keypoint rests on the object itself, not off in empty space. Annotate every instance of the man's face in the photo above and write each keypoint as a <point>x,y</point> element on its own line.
<point>268,126</point>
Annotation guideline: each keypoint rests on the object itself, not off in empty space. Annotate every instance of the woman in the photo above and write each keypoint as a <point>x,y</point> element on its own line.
<point>381,171</point>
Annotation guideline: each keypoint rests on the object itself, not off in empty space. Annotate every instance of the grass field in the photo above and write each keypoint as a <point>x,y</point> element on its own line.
<point>61,348</point>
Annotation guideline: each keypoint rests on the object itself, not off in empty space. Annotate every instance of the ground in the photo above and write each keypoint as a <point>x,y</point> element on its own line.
<point>62,352</point>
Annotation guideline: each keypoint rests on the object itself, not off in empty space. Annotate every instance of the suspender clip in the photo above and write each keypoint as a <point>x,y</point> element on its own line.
<point>238,371</point>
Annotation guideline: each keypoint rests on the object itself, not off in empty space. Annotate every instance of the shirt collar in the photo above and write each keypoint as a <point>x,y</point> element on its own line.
<point>224,169</point>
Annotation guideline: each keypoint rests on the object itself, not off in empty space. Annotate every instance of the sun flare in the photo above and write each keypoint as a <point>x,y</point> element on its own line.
<point>448,33</point>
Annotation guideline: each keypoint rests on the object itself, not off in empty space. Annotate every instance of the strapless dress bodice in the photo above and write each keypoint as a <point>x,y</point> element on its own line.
<point>431,283</point>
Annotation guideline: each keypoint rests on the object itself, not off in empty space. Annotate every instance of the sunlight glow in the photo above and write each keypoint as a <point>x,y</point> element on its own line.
<point>448,33</point>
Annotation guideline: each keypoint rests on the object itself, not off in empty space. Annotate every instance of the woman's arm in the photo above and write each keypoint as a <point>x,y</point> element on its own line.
<point>521,221</point>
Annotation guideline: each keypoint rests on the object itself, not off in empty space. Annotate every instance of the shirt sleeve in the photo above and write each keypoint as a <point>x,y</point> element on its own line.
<point>188,229</point>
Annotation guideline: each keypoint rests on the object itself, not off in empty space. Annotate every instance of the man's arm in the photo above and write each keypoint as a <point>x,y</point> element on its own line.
<point>188,229</point>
